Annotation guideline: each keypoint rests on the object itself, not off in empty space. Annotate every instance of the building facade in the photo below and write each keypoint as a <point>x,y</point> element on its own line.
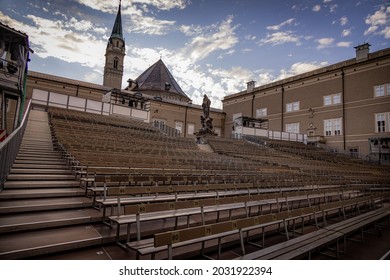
<point>14,57</point>
<point>345,106</point>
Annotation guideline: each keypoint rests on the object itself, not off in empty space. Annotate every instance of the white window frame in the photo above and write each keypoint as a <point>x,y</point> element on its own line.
<point>333,127</point>
<point>380,122</point>
<point>262,112</point>
<point>336,98</point>
<point>332,99</point>
<point>379,91</point>
<point>327,100</point>
<point>179,126</point>
<point>292,127</point>
<point>190,128</point>
<point>293,106</point>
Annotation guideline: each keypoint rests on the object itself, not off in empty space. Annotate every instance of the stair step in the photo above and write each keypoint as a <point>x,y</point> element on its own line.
<point>37,153</point>
<point>29,244</point>
<point>39,166</point>
<point>26,205</point>
<point>41,193</point>
<point>40,157</point>
<point>43,177</point>
<point>37,161</point>
<point>47,219</point>
<point>39,171</point>
<point>40,184</point>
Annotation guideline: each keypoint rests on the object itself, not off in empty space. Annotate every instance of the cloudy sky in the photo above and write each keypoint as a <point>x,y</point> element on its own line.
<point>210,46</point>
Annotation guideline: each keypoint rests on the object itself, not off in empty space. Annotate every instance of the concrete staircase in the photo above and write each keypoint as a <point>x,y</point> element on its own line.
<point>42,208</point>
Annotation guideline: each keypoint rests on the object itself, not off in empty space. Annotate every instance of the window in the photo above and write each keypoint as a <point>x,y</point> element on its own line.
<point>179,126</point>
<point>261,112</point>
<point>327,100</point>
<point>380,122</point>
<point>332,99</point>
<point>379,91</point>
<point>333,127</point>
<point>191,129</point>
<point>353,151</point>
<point>294,106</point>
<point>337,126</point>
<point>328,127</point>
<point>116,61</point>
<point>336,98</point>
<point>292,127</point>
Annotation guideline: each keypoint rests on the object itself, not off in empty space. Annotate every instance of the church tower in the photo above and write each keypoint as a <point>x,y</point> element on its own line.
<point>115,54</point>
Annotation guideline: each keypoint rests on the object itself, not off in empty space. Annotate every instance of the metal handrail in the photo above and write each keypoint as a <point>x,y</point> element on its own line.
<point>10,146</point>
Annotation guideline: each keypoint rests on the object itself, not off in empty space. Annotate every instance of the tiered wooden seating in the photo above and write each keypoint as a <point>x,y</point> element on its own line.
<point>144,175</point>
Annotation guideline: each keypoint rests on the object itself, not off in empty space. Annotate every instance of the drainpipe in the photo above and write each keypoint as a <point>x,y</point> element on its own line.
<point>343,104</point>
<point>253,105</point>
<point>282,111</point>
<point>185,122</point>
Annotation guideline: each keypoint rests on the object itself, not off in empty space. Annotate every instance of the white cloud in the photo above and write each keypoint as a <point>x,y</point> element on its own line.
<point>327,1</point>
<point>277,27</point>
<point>344,44</point>
<point>280,38</point>
<point>150,25</point>
<point>56,38</point>
<point>343,20</point>
<point>301,67</point>
<point>222,37</point>
<point>316,8</point>
<point>250,37</point>
<point>324,43</point>
<point>379,22</point>
<point>346,32</point>
<point>386,32</point>
<point>333,8</point>
<point>265,76</point>
<point>191,30</point>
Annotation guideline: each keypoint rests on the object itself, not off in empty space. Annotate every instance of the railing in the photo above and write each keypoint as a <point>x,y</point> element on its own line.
<point>9,148</point>
<point>170,131</point>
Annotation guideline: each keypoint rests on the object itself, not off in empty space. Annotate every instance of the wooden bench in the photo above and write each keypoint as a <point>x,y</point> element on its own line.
<point>178,238</point>
<point>183,237</point>
<point>305,244</point>
<point>191,193</point>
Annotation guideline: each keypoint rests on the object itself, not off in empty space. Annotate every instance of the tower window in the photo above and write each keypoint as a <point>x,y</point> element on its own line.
<point>116,60</point>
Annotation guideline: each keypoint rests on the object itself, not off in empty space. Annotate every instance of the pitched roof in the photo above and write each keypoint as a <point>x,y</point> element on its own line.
<point>117,29</point>
<point>156,77</point>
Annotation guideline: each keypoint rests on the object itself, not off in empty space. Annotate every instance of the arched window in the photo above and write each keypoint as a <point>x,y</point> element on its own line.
<point>116,61</point>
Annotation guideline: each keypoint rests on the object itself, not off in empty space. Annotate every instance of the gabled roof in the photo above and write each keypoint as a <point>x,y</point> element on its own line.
<point>157,77</point>
<point>117,29</point>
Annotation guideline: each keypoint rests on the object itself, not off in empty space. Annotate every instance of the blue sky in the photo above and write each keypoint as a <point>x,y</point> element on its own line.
<point>212,47</point>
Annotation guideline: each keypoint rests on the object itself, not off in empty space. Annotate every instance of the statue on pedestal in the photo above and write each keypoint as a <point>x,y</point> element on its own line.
<point>205,120</point>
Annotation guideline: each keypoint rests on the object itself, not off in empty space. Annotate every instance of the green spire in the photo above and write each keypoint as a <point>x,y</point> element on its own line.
<point>117,29</point>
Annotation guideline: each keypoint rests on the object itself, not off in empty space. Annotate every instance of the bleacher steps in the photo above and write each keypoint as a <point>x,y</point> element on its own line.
<point>27,244</point>
<point>40,193</point>
<point>40,184</point>
<point>42,207</point>
<point>40,171</point>
<point>39,166</point>
<point>205,148</point>
<point>42,177</point>
<point>42,204</point>
<point>48,219</point>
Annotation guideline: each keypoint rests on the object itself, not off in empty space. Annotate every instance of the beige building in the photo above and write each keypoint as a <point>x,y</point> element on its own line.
<point>345,106</point>
<point>155,96</point>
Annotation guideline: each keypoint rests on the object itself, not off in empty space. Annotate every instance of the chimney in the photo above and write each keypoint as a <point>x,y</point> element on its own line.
<point>250,86</point>
<point>362,52</point>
